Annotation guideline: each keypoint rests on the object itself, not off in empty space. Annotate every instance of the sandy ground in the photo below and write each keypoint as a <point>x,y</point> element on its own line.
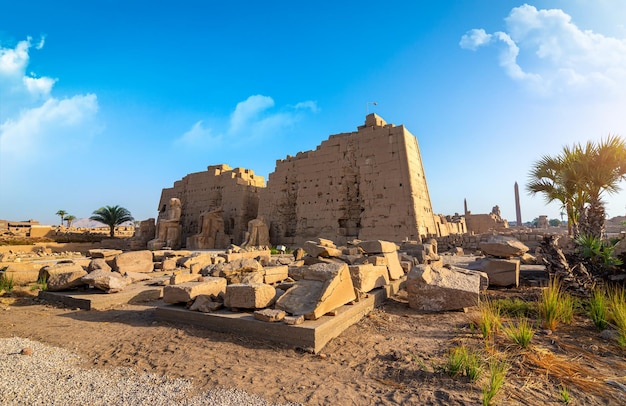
<point>392,356</point>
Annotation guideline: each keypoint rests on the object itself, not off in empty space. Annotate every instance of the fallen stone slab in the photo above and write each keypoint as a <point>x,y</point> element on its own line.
<point>65,280</point>
<point>186,292</point>
<point>21,274</point>
<point>98,264</point>
<point>133,261</point>
<point>275,274</point>
<point>323,287</point>
<point>269,315</point>
<point>502,246</point>
<point>106,281</point>
<point>184,278</point>
<point>501,272</point>
<point>206,304</point>
<point>378,247</point>
<point>317,250</point>
<point>440,289</point>
<point>253,296</point>
<point>104,253</point>
<point>367,277</point>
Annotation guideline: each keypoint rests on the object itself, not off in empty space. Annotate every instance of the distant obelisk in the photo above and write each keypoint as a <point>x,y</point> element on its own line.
<point>518,211</point>
<point>465,205</point>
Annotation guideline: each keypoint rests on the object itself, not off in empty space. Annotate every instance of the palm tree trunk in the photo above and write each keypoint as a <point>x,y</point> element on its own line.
<point>112,231</point>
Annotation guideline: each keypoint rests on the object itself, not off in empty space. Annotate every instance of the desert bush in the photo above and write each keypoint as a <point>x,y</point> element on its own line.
<point>489,320</point>
<point>617,312</point>
<point>555,305</point>
<point>516,307</point>
<point>6,284</point>
<point>462,361</point>
<point>598,309</point>
<point>497,374</point>
<point>521,334</point>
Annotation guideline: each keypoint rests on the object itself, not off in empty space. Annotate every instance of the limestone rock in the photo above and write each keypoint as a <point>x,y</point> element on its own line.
<point>253,296</point>
<point>501,272</point>
<point>196,262</point>
<point>62,276</point>
<point>183,278</point>
<point>440,289</point>
<point>236,270</point>
<point>110,282</point>
<point>393,265</point>
<point>274,274</point>
<point>206,304</point>
<point>98,264</point>
<point>502,246</point>
<point>323,287</point>
<point>104,253</point>
<point>133,261</point>
<point>137,276</point>
<point>378,247</point>
<point>367,277</point>
<point>269,315</point>
<point>186,292</point>
<point>293,320</point>
<point>318,250</point>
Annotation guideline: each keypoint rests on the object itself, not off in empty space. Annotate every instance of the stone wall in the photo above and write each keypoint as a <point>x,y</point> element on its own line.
<point>470,243</point>
<point>236,191</point>
<point>368,184</point>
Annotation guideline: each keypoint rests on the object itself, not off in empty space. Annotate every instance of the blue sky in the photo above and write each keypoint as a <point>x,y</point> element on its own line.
<point>108,102</point>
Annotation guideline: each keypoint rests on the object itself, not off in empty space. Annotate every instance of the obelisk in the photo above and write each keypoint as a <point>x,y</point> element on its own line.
<point>518,211</point>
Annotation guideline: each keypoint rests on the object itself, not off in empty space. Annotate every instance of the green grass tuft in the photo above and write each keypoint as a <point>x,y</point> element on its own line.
<point>497,374</point>
<point>598,306</point>
<point>521,334</point>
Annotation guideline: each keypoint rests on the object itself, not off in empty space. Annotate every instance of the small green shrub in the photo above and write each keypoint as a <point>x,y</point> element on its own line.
<point>551,309</point>
<point>497,374</point>
<point>521,334</point>
<point>516,308</point>
<point>490,321</point>
<point>617,312</point>
<point>599,309</point>
<point>566,308</point>
<point>462,361</point>
<point>564,394</point>
<point>6,284</point>
<point>456,361</point>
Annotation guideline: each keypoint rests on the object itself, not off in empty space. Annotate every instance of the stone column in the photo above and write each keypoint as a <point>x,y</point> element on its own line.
<point>518,211</point>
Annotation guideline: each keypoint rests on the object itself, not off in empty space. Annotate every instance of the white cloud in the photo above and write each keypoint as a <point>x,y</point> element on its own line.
<point>57,124</point>
<point>199,135</point>
<point>252,119</point>
<point>558,56</point>
<point>474,38</point>
<point>248,110</point>
<point>34,123</point>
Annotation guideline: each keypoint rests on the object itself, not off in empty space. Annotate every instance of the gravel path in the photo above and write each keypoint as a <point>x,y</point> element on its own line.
<point>53,376</point>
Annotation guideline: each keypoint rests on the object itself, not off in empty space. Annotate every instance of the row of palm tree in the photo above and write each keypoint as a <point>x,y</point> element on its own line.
<point>66,217</point>
<point>111,216</point>
<point>578,177</point>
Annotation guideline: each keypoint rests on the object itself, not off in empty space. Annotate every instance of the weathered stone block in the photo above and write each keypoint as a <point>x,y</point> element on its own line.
<point>184,278</point>
<point>186,292</point>
<point>501,272</point>
<point>378,246</point>
<point>62,276</point>
<point>318,250</point>
<point>502,246</point>
<point>393,265</point>
<point>323,287</point>
<point>133,261</point>
<point>98,263</point>
<point>367,277</point>
<point>440,289</point>
<point>254,296</point>
<point>110,282</point>
<point>206,304</point>
<point>274,274</point>
<point>269,315</point>
<point>104,253</point>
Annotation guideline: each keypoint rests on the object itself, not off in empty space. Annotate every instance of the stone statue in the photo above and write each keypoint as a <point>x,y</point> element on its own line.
<point>211,231</point>
<point>258,234</point>
<point>168,228</point>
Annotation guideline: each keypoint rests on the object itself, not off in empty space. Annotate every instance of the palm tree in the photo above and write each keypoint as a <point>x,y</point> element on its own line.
<point>605,165</point>
<point>69,218</point>
<point>61,213</point>
<point>578,177</point>
<point>112,216</point>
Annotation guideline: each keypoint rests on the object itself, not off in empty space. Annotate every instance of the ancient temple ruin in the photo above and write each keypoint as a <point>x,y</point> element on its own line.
<point>216,206</point>
<point>368,184</point>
